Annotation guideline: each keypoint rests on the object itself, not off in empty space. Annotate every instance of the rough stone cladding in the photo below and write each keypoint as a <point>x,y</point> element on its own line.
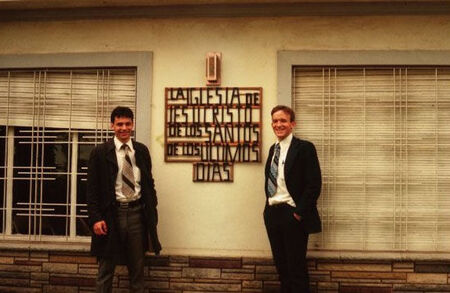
<point>70,272</point>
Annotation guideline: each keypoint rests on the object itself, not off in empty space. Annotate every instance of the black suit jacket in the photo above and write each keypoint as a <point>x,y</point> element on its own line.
<point>303,181</point>
<point>101,197</point>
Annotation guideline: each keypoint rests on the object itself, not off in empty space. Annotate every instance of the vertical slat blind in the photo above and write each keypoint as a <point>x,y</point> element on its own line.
<point>383,140</point>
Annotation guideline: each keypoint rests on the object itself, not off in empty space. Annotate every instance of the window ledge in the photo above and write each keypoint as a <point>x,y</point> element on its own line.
<point>379,255</point>
<point>76,245</point>
<point>83,245</point>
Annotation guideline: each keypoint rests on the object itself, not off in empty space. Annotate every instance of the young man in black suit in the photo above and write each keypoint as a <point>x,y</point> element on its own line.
<point>292,185</point>
<point>122,203</point>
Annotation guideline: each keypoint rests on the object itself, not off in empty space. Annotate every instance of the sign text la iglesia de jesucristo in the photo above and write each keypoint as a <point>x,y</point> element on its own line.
<point>213,127</point>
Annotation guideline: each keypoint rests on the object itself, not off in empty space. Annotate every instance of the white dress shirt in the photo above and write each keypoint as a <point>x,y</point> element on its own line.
<point>282,195</point>
<point>120,154</point>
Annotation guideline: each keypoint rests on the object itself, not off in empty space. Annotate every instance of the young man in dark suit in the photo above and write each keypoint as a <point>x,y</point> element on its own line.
<point>292,185</point>
<point>122,203</point>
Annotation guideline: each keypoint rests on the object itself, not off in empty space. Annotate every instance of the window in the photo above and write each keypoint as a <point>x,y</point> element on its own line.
<point>382,133</point>
<point>50,119</point>
<point>383,136</point>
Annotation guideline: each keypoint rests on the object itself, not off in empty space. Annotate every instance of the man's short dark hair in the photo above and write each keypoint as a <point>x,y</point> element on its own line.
<point>285,109</point>
<point>120,111</point>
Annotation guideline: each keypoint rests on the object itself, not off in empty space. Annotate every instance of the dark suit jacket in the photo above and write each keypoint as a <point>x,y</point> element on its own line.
<point>303,180</point>
<point>101,197</point>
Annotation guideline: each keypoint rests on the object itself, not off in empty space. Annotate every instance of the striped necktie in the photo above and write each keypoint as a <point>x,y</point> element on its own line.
<point>273,174</point>
<point>127,174</point>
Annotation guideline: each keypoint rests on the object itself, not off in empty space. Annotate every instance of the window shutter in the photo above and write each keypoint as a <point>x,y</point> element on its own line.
<point>383,140</point>
<point>65,98</point>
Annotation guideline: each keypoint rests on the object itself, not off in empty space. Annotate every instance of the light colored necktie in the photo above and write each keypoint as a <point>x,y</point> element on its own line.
<point>127,174</point>
<point>273,174</point>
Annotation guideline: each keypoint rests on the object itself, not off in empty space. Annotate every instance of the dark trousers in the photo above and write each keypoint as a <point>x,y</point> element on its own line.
<point>131,231</point>
<point>289,242</point>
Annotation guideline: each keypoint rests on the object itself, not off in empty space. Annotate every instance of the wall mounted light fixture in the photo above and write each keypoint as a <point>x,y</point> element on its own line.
<point>213,68</point>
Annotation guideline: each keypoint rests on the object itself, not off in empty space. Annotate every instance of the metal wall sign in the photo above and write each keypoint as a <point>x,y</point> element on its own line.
<point>213,127</point>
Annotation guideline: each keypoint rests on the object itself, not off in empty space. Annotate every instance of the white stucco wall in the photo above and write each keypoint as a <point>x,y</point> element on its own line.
<point>219,218</point>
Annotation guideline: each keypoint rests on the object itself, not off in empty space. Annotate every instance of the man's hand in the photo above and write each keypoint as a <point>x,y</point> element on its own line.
<point>100,228</point>
<point>297,217</point>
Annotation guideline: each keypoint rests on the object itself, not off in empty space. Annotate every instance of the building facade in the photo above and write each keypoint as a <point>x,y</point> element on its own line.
<point>370,82</point>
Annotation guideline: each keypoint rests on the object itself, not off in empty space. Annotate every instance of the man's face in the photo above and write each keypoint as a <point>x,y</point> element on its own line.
<point>281,124</point>
<point>123,127</point>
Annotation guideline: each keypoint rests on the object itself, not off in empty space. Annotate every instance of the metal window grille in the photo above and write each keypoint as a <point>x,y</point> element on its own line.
<point>383,140</point>
<point>50,119</point>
